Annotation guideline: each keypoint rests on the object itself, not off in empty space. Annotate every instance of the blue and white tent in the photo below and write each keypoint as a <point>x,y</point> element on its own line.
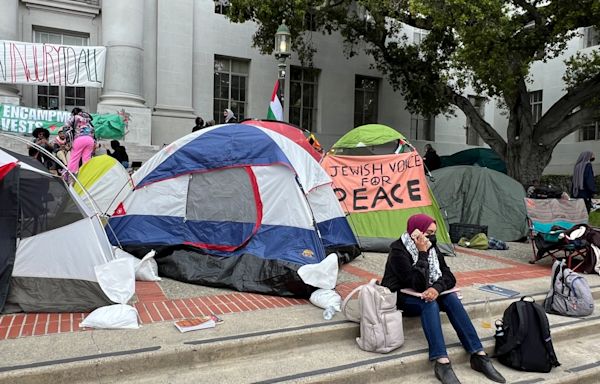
<point>237,206</point>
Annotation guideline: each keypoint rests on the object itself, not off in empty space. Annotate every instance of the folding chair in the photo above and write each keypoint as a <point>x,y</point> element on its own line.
<point>547,220</point>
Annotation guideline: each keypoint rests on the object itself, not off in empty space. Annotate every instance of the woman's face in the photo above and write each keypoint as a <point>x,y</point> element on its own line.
<point>431,229</point>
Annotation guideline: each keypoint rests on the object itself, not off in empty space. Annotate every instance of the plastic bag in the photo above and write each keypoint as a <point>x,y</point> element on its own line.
<point>145,269</point>
<point>324,298</point>
<point>117,279</point>
<point>321,275</point>
<point>112,317</point>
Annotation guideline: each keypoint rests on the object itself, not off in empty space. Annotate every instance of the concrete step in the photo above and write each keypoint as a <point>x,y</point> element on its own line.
<point>312,352</point>
<point>571,339</point>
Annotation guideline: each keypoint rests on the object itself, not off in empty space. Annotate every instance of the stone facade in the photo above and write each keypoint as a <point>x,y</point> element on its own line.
<point>160,71</point>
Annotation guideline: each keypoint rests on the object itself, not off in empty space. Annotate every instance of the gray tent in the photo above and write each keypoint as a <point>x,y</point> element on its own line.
<point>477,195</point>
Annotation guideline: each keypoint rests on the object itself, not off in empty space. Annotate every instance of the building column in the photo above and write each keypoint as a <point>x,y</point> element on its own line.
<point>9,17</point>
<point>122,35</point>
<point>174,67</point>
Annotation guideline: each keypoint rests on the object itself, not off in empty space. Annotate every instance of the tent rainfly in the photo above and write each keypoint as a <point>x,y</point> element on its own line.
<point>236,206</point>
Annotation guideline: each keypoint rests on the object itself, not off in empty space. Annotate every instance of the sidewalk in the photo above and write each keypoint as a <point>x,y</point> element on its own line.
<point>170,300</point>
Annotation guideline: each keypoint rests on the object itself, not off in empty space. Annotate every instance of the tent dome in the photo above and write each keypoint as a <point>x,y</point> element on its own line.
<point>478,195</point>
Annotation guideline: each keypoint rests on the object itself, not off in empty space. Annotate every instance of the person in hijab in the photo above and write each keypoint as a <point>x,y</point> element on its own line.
<point>229,116</point>
<point>415,262</point>
<point>584,185</point>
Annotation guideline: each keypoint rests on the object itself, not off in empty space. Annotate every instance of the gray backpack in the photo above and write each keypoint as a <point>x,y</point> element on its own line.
<point>380,321</point>
<point>570,293</point>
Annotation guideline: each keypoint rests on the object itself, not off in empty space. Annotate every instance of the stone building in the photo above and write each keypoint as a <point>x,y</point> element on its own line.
<point>169,61</point>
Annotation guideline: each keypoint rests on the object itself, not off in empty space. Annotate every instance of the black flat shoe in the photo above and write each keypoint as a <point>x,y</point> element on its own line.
<point>445,374</point>
<point>482,363</point>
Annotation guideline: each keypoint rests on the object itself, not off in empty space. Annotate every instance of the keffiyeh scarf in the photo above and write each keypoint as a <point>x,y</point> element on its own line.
<point>434,264</point>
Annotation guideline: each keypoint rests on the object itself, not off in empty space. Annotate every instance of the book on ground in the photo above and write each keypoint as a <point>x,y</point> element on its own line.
<point>412,292</point>
<point>499,290</point>
<point>195,323</point>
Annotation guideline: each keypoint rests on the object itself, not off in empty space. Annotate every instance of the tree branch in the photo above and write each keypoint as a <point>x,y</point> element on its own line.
<point>553,119</point>
<point>572,123</point>
<point>531,10</point>
<point>482,127</point>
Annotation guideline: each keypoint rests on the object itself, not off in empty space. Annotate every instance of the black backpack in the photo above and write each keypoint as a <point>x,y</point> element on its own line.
<point>523,339</point>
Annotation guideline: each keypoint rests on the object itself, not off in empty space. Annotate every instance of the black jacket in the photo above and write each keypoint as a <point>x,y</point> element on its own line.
<point>119,154</point>
<point>401,273</point>
<point>432,160</point>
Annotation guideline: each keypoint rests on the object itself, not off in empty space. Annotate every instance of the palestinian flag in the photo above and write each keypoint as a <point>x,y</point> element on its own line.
<point>275,108</point>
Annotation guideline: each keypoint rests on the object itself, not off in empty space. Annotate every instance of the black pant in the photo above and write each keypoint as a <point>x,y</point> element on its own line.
<point>588,203</point>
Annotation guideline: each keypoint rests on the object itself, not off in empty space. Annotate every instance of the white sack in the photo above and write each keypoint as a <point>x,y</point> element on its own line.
<point>117,279</point>
<point>324,298</point>
<point>145,269</point>
<point>322,275</point>
<point>112,317</point>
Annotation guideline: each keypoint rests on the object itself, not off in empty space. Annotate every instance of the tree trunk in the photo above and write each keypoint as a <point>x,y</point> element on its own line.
<point>526,164</point>
<point>525,159</point>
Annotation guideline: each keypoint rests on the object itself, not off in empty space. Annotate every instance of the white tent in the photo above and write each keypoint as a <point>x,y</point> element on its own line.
<point>50,242</point>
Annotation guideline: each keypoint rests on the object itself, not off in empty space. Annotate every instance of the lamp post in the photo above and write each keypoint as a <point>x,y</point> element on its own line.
<point>283,50</point>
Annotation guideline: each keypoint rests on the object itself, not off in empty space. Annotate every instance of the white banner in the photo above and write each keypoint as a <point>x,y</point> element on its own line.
<point>43,64</point>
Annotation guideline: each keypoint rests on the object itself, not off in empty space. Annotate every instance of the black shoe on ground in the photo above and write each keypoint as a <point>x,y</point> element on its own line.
<point>482,363</point>
<point>445,374</point>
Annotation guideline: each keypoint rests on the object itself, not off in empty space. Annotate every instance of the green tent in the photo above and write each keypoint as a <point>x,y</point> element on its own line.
<point>371,139</point>
<point>483,157</point>
<point>478,195</point>
<point>377,229</point>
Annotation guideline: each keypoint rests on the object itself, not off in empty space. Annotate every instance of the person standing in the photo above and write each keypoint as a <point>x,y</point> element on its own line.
<point>229,116</point>
<point>82,131</point>
<point>584,185</point>
<point>199,124</point>
<point>416,262</point>
<point>431,159</point>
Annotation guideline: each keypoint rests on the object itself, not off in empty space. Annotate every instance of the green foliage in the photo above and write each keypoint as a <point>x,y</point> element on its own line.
<point>562,181</point>
<point>581,67</point>
<point>487,44</point>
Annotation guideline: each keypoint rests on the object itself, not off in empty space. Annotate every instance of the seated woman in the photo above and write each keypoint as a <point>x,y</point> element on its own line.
<point>418,264</point>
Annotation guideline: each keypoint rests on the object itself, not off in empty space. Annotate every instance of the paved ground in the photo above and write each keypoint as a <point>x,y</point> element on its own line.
<point>168,300</point>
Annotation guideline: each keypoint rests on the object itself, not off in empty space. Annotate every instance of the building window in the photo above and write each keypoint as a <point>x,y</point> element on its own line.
<point>230,87</point>
<point>535,99</point>
<point>421,128</point>
<point>418,36</point>
<point>478,103</point>
<point>303,97</point>
<point>366,91</point>
<point>590,132</point>
<point>221,6</point>
<point>59,97</point>
<point>591,37</point>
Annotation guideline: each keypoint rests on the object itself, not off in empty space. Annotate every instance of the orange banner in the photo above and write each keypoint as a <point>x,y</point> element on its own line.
<point>376,183</point>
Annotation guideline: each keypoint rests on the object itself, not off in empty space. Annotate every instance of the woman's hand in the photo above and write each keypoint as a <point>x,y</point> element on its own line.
<point>422,243</point>
<point>430,294</point>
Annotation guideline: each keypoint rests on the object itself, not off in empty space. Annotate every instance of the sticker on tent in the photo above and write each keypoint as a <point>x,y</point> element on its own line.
<point>376,183</point>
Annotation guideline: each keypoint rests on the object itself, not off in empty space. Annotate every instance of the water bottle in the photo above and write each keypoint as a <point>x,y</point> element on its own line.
<point>328,313</point>
<point>487,315</point>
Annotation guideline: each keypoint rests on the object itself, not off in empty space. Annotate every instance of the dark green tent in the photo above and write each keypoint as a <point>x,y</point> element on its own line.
<point>479,195</point>
<point>483,157</point>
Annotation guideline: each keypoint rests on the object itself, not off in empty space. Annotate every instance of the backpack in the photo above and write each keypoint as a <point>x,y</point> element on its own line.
<point>380,321</point>
<point>523,339</point>
<point>569,294</point>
